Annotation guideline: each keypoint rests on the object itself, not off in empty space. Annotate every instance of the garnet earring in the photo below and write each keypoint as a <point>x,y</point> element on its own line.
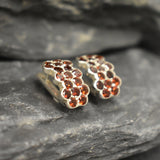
<point>100,76</point>
<point>65,83</point>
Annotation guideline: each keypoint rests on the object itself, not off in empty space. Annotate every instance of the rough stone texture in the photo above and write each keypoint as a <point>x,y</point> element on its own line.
<point>35,38</point>
<point>38,29</point>
<point>34,127</point>
<point>138,14</point>
<point>153,154</point>
<point>75,10</point>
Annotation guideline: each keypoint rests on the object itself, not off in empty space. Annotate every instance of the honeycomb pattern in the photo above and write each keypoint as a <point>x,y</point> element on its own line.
<point>106,82</point>
<point>74,91</point>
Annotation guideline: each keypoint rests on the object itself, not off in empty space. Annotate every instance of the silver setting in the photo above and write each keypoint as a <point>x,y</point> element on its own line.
<point>97,69</point>
<point>56,86</point>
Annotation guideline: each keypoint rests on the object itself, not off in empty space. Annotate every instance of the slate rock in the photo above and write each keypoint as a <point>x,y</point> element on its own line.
<point>75,10</point>
<point>118,14</point>
<point>35,38</point>
<point>153,154</point>
<point>57,28</point>
<point>34,127</point>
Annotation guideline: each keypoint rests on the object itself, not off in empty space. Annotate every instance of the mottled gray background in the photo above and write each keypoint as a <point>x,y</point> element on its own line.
<point>33,126</point>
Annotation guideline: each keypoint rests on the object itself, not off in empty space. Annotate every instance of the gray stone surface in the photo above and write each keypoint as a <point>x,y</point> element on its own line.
<point>76,9</point>
<point>138,14</point>
<point>33,38</point>
<point>153,154</point>
<point>34,127</point>
<point>44,29</point>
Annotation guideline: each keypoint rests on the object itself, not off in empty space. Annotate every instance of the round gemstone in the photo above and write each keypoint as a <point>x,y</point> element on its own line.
<point>99,85</point>
<point>58,69</point>
<point>68,75</point>
<point>109,74</point>
<point>84,89</point>
<point>77,81</point>
<point>48,65</point>
<point>66,62</point>
<point>100,68</point>
<point>109,65</point>
<point>73,102</point>
<point>108,83</point>
<point>66,93</point>
<point>91,63</point>
<point>82,59</point>
<point>60,77</point>
<point>90,56</point>
<point>75,91</point>
<point>116,81</point>
<point>101,76</point>
<point>106,93</point>
<point>93,69</point>
<point>82,100</point>
<point>99,57</point>
<point>57,64</point>
<point>77,73</point>
<point>68,68</point>
<point>114,91</point>
<point>68,84</point>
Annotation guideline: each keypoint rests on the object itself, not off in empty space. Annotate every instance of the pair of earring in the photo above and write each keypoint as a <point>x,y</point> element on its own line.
<point>67,87</point>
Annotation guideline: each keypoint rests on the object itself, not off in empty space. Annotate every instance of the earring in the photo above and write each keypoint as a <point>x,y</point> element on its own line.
<point>65,83</point>
<point>100,76</point>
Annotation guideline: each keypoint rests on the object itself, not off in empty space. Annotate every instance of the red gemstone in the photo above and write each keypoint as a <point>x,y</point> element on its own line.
<point>91,63</point>
<point>101,76</point>
<point>57,64</point>
<point>93,69</point>
<point>109,65</point>
<point>106,93</point>
<point>100,68</point>
<point>75,91</point>
<point>116,81</point>
<point>82,100</point>
<point>108,83</point>
<point>66,62</point>
<point>82,59</point>
<point>77,73</point>
<point>77,81</point>
<point>73,102</point>
<point>68,84</point>
<point>68,68</point>
<point>115,91</point>
<point>84,89</point>
<point>68,75</point>
<point>99,85</point>
<point>66,93</point>
<point>90,56</point>
<point>60,77</point>
<point>58,69</point>
<point>48,65</point>
<point>109,74</point>
<point>99,57</point>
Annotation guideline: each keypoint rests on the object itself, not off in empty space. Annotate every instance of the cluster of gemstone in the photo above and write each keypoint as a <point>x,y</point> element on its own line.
<point>105,80</point>
<point>74,91</point>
